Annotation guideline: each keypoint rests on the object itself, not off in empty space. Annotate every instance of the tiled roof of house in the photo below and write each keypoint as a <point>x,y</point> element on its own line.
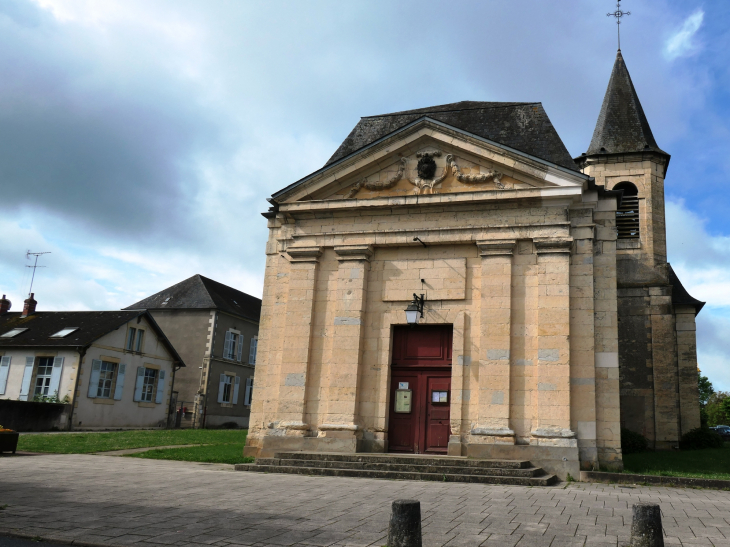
<point>199,292</point>
<point>89,326</point>
<point>622,125</point>
<point>522,126</point>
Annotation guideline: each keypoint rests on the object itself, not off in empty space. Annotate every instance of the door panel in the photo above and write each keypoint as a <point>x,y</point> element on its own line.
<point>421,357</point>
<point>438,423</point>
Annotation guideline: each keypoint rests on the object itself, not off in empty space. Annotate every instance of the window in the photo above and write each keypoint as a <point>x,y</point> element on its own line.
<point>64,332</point>
<point>252,350</point>
<point>106,378</point>
<point>43,376</point>
<point>130,338</point>
<point>233,347</point>
<point>627,215</point>
<point>135,340</point>
<point>249,392</point>
<point>12,332</point>
<point>227,387</point>
<point>148,385</point>
<point>140,338</point>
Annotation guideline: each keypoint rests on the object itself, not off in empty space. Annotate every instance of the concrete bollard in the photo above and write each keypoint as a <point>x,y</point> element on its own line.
<point>646,527</point>
<point>404,529</point>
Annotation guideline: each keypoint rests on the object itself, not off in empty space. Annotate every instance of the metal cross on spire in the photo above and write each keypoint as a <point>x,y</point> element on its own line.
<point>618,14</point>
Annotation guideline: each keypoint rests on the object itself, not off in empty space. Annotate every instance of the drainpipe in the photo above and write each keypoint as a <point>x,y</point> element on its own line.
<point>82,353</point>
<point>170,408</point>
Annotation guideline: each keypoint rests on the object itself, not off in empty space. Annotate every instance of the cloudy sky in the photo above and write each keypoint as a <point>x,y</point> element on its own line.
<point>140,138</point>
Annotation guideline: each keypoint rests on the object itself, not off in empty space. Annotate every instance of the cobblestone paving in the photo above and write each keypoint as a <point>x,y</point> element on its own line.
<point>105,500</point>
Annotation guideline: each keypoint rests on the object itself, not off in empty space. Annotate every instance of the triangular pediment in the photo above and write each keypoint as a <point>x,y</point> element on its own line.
<point>424,158</point>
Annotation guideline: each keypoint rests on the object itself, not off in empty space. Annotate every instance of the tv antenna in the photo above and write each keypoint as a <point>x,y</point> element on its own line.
<point>618,14</point>
<point>34,266</point>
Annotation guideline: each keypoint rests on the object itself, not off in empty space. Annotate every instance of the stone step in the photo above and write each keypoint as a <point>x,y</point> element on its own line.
<point>545,480</point>
<point>406,459</point>
<point>405,467</point>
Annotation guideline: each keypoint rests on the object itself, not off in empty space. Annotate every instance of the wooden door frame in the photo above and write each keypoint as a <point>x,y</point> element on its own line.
<point>421,370</point>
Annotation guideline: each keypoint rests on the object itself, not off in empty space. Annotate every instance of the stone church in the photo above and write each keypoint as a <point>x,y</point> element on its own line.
<point>452,282</point>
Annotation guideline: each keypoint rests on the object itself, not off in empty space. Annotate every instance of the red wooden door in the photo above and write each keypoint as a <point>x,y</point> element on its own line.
<point>421,374</point>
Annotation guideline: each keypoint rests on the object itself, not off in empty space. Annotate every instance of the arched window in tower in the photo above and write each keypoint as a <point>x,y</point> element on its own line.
<point>627,216</point>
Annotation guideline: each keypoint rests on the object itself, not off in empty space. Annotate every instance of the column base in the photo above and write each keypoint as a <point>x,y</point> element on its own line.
<point>491,435</point>
<point>553,436</point>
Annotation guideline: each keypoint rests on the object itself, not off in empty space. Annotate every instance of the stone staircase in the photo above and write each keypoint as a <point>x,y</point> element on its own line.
<point>403,467</point>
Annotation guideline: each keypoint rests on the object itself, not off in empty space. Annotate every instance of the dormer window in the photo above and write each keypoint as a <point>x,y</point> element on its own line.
<point>12,332</point>
<point>627,215</point>
<point>64,332</point>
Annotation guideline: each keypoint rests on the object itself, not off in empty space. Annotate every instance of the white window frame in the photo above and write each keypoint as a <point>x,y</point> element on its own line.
<point>111,379</point>
<point>149,395</point>
<point>139,343</point>
<point>64,332</point>
<point>232,345</point>
<point>46,377</point>
<point>227,384</point>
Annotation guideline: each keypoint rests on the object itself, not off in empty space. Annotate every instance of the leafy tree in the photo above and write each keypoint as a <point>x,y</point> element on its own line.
<point>705,387</point>
<point>717,409</point>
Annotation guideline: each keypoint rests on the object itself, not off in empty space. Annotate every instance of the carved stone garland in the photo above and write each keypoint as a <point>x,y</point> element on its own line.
<point>363,183</point>
<point>425,185</point>
<point>496,176</point>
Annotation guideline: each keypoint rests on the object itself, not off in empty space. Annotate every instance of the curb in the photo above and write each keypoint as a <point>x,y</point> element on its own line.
<point>50,539</point>
<point>626,478</point>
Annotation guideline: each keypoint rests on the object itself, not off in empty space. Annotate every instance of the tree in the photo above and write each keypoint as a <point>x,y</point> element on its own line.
<point>717,409</point>
<point>705,387</point>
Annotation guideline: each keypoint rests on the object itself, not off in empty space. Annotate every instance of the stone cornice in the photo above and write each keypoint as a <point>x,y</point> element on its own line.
<point>549,245</point>
<point>497,247</point>
<point>353,252</point>
<point>304,254</point>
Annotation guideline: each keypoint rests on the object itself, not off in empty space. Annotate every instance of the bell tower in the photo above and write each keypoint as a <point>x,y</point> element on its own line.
<point>623,155</point>
<point>656,339</point>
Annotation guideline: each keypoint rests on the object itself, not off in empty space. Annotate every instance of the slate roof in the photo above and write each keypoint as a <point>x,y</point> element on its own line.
<point>91,326</point>
<point>522,126</point>
<point>199,292</point>
<point>622,125</point>
<point>679,293</point>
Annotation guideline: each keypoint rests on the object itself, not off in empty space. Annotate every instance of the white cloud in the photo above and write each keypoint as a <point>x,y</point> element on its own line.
<point>681,42</point>
<point>702,262</point>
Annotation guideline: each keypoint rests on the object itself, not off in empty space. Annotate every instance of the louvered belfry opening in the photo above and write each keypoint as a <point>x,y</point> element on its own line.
<point>627,215</point>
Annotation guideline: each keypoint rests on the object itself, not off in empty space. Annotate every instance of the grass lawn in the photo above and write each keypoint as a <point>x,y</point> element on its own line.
<point>217,453</point>
<point>712,463</point>
<point>85,443</point>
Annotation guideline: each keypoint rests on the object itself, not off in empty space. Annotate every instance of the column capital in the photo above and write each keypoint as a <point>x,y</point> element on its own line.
<point>552,245</point>
<point>354,252</point>
<point>304,254</point>
<point>496,247</point>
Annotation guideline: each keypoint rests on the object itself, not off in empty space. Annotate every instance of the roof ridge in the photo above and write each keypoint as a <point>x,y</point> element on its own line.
<point>425,109</point>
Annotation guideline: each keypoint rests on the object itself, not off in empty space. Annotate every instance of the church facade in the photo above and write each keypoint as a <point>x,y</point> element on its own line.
<point>542,313</point>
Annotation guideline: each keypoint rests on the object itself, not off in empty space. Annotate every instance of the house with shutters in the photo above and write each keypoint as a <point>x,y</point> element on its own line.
<point>215,329</point>
<point>116,368</point>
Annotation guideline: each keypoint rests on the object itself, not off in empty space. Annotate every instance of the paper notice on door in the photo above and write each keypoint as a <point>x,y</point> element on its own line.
<point>439,396</point>
<point>403,400</point>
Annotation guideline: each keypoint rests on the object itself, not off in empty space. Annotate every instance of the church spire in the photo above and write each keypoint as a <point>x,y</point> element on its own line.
<point>622,125</point>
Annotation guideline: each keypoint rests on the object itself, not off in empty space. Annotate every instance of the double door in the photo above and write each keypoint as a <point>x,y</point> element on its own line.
<point>420,390</point>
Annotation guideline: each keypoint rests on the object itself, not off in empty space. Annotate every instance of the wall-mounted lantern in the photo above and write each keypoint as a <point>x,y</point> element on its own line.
<point>414,310</point>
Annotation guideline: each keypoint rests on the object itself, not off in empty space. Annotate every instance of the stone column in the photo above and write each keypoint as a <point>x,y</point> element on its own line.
<point>298,332</point>
<point>494,344</point>
<point>552,410</point>
<point>665,373</point>
<point>689,404</point>
<point>342,385</point>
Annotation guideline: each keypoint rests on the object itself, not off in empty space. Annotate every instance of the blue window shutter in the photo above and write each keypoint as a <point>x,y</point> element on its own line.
<point>27,375</point>
<point>119,389</point>
<point>139,384</point>
<point>94,380</point>
<point>252,351</point>
<point>55,386</point>
<point>227,353</point>
<point>239,342</point>
<point>249,392</point>
<point>4,371</point>
<point>221,387</point>
<point>160,387</point>
<point>235,390</point>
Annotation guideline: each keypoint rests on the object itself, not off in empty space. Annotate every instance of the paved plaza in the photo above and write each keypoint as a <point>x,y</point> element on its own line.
<point>104,500</point>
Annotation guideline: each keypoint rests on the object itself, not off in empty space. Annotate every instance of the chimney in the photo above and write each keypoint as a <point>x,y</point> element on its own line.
<point>5,305</point>
<point>29,306</point>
